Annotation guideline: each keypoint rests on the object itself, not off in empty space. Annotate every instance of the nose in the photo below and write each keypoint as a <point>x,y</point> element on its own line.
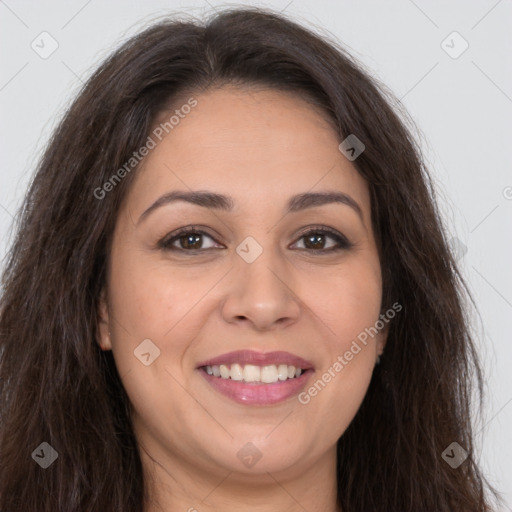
<point>261,294</point>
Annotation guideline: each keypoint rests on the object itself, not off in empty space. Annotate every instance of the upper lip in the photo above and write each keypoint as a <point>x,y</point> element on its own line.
<point>258,359</point>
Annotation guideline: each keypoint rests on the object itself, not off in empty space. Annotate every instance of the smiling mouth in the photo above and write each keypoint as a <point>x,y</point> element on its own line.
<point>252,377</point>
<point>253,374</point>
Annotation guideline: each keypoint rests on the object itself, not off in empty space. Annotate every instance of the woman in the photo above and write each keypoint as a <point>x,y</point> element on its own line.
<point>231,288</point>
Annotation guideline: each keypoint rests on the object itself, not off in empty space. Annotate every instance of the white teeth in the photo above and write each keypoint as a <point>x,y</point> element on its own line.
<point>282,372</point>
<point>224,371</point>
<point>252,373</point>
<point>269,374</point>
<point>236,372</point>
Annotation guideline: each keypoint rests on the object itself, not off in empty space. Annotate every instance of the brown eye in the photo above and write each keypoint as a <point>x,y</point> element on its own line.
<point>315,240</point>
<point>191,241</point>
<point>186,240</point>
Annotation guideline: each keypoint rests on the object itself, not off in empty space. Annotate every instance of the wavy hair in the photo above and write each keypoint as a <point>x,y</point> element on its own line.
<point>57,386</point>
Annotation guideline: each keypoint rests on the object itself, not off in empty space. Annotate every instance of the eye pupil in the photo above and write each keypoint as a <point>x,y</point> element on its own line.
<point>319,240</point>
<point>191,241</point>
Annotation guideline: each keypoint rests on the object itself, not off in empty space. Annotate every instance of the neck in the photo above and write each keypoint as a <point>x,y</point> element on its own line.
<point>192,489</point>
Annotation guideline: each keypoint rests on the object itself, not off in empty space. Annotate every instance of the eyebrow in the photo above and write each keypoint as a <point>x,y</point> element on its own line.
<point>216,201</point>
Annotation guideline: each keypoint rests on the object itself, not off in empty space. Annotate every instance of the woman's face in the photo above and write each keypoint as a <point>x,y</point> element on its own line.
<point>246,284</point>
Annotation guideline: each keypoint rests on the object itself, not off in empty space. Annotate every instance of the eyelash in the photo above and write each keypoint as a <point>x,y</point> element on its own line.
<point>166,242</point>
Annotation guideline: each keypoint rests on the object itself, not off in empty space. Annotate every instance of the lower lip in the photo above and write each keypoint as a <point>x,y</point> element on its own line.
<point>256,393</point>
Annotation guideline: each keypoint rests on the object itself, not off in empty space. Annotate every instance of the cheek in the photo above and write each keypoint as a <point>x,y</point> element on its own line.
<point>346,301</point>
<point>158,302</point>
<point>348,306</point>
<point>152,302</point>
<point>150,299</point>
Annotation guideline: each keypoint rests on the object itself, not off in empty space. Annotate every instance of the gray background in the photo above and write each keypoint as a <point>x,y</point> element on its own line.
<point>462,105</point>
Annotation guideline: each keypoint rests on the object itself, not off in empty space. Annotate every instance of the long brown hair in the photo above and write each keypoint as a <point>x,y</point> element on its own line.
<point>58,387</point>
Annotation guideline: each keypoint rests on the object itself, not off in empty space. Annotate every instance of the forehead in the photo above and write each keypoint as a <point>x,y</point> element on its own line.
<point>259,146</point>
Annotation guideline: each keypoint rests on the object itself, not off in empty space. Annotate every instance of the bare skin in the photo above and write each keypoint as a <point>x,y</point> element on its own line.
<point>260,148</point>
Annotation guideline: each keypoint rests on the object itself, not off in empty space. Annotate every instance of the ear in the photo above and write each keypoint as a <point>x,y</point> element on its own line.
<point>103,330</point>
<point>382,339</point>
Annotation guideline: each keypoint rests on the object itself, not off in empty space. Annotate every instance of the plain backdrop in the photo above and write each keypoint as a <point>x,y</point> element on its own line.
<point>456,86</point>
